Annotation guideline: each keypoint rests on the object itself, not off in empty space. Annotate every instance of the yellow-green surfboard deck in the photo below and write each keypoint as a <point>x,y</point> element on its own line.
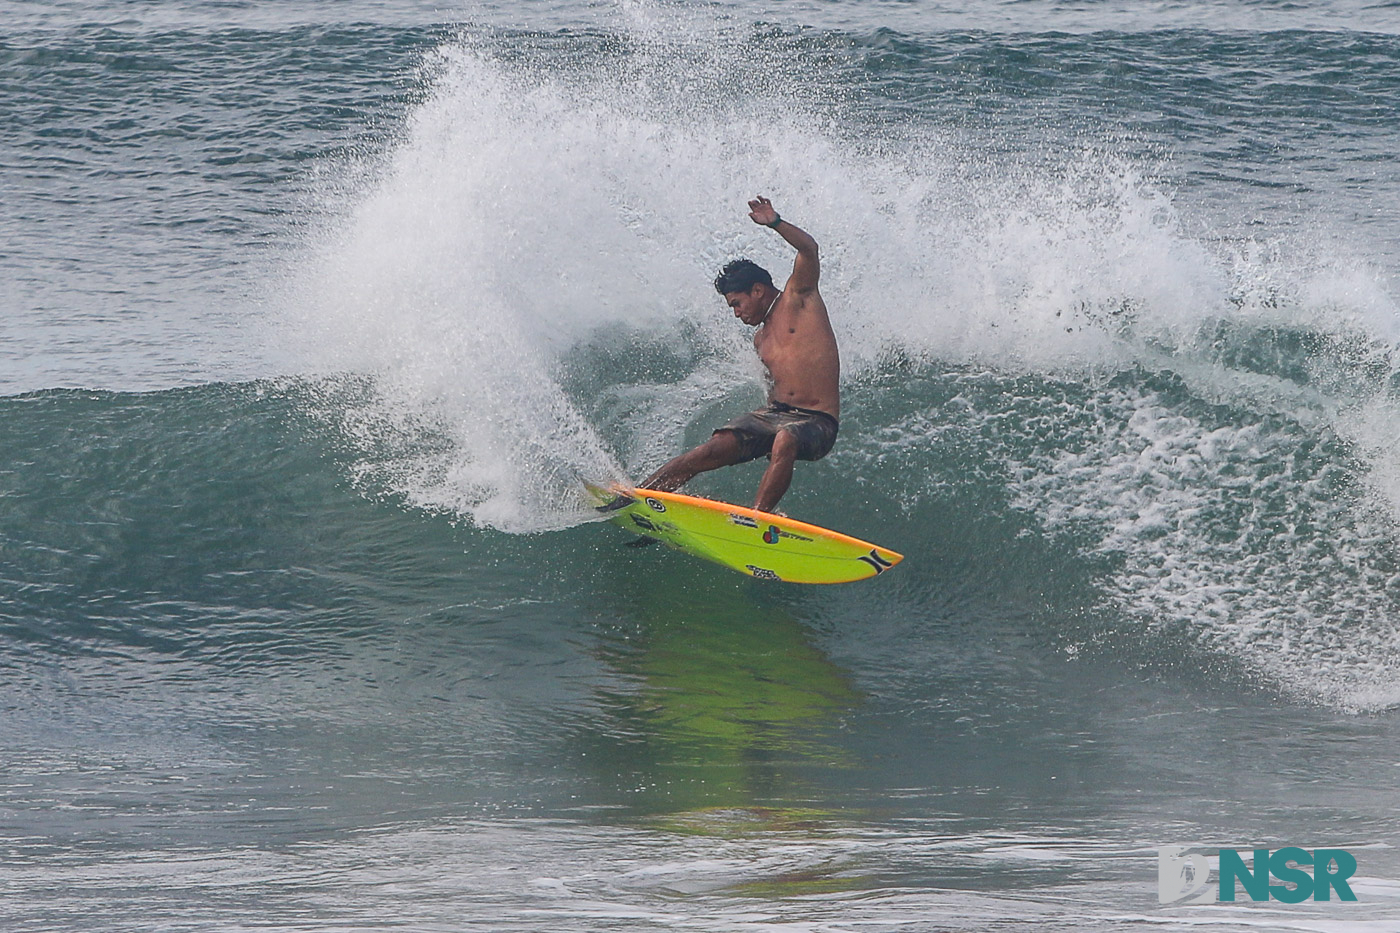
<point>760,544</point>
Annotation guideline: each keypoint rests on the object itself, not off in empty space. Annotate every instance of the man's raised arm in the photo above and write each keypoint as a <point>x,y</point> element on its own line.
<point>806,269</point>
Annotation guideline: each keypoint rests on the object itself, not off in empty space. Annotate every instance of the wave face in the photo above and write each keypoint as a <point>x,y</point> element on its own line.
<point>314,319</point>
<point>1156,521</point>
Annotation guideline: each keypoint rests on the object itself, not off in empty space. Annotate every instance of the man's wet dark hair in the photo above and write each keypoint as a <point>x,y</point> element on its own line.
<point>740,275</point>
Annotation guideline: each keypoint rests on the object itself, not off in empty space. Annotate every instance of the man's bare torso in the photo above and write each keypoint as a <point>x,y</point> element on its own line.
<point>798,347</point>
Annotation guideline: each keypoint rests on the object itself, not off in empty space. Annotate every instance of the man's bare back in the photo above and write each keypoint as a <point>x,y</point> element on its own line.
<point>795,341</point>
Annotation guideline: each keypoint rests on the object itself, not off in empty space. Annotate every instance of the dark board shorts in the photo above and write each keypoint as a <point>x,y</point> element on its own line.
<point>815,431</point>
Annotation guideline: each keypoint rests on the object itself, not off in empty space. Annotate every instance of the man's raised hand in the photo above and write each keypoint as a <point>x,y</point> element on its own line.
<point>761,211</point>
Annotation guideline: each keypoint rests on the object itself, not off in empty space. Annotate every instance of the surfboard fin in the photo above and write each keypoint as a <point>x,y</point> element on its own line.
<point>608,498</point>
<point>620,501</point>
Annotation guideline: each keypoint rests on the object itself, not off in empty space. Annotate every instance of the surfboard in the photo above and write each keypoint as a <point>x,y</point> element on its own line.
<point>760,544</point>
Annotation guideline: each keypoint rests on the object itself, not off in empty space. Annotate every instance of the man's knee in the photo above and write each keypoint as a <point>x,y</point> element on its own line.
<point>785,446</point>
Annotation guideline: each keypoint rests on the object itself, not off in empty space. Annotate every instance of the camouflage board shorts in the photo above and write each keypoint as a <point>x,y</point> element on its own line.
<point>815,431</point>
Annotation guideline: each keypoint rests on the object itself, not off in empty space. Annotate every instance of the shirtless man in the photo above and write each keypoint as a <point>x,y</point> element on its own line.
<point>795,342</point>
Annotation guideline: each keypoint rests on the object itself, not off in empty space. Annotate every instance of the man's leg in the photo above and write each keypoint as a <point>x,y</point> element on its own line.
<point>778,476</point>
<point>721,450</point>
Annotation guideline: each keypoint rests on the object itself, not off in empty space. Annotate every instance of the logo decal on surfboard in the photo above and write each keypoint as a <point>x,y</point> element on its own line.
<point>773,533</point>
<point>762,574</point>
<point>743,521</point>
<point>655,504</point>
<point>875,560</point>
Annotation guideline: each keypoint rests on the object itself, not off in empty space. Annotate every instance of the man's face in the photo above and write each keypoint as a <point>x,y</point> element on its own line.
<point>747,306</point>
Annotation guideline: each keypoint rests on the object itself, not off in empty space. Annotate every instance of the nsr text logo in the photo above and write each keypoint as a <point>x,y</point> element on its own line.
<point>1184,878</point>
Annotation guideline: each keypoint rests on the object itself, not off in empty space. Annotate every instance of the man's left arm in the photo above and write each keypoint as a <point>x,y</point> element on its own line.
<point>807,267</point>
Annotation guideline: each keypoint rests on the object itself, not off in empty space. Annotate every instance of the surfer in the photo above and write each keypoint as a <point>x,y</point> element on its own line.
<point>795,342</point>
